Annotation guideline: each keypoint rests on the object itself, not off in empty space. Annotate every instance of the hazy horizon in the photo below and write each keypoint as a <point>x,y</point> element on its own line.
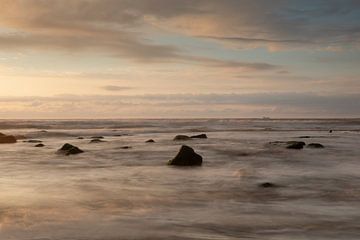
<point>108,59</point>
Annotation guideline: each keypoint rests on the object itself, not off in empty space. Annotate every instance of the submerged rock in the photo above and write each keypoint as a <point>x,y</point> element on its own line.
<point>7,138</point>
<point>39,145</point>
<point>295,145</point>
<point>199,136</point>
<point>315,145</point>
<point>186,157</point>
<point>150,141</point>
<point>181,138</point>
<point>96,140</point>
<point>69,149</point>
<point>267,185</point>
<point>33,141</point>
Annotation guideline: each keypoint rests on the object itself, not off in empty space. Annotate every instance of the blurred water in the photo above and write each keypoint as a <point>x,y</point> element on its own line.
<point>110,193</point>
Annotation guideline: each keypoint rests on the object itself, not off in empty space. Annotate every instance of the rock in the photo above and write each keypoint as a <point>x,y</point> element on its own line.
<point>97,137</point>
<point>199,136</point>
<point>330,131</point>
<point>125,147</point>
<point>150,141</point>
<point>315,145</point>
<point>295,145</point>
<point>267,185</point>
<point>181,138</point>
<point>7,139</point>
<point>69,149</point>
<point>39,145</point>
<point>80,137</point>
<point>304,137</point>
<point>186,157</point>
<point>33,141</point>
<point>96,140</point>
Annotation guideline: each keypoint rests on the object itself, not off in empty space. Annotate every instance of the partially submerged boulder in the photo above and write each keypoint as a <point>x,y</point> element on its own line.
<point>186,157</point>
<point>7,139</point>
<point>295,145</point>
<point>150,141</point>
<point>69,149</point>
<point>126,147</point>
<point>315,145</point>
<point>267,185</point>
<point>181,138</point>
<point>199,136</point>
<point>39,145</point>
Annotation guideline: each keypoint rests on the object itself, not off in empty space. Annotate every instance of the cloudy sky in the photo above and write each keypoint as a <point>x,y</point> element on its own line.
<point>179,58</point>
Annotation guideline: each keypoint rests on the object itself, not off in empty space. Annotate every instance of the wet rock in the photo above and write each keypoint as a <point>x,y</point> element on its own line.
<point>7,139</point>
<point>150,141</point>
<point>33,141</point>
<point>199,136</point>
<point>186,157</point>
<point>39,145</point>
<point>181,138</point>
<point>295,145</point>
<point>125,147</point>
<point>96,140</point>
<point>315,145</point>
<point>69,149</point>
<point>267,185</point>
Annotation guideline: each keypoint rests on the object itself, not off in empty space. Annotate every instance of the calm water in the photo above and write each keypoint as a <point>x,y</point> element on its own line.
<point>110,193</point>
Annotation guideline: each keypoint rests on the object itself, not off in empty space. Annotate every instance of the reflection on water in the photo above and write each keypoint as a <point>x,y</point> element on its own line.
<point>110,193</point>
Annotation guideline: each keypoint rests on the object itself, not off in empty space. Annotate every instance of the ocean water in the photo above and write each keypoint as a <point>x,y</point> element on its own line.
<point>111,193</point>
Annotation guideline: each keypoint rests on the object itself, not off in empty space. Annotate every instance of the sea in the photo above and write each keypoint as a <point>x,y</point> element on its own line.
<point>113,193</point>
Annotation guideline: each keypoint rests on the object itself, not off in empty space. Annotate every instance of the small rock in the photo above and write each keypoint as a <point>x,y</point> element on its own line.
<point>330,131</point>
<point>80,137</point>
<point>125,147</point>
<point>182,138</point>
<point>33,141</point>
<point>69,149</point>
<point>199,136</point>
<point>150,141</point>
<point>186,157</point>
<point>315,145</point>
<point>96,140</point>
<point>97,137</point>
<point>267,185</point>
<point>304,137</point>
<point>39,145</point>
<point>295,145</point>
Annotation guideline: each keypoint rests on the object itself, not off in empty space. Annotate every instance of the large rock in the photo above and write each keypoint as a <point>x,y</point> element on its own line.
<point>315,145</point>
<point>7,138</point>
<point>295,145</point>
<point>69,149</point>
<point>199,136</point>
<point>186,157</point>
<point>181,138</point>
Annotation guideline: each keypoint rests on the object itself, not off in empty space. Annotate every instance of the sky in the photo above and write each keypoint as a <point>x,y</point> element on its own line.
<point>179,59</point>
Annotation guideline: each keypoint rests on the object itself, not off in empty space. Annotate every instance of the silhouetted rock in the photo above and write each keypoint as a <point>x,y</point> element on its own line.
<point>80,137</point>
<point>126,147</point>
<point>150,141</point>
<point>181,138</point>
<point>267,185</point>
<point>304,137</point>
<point>96,140</point>
<point>186,157</point>
<point>315,145</point>
<point>199,136</point>
<point>7,139</point>
<point>295,145</point>
<point>330,131</point>
<point>97,137</point>
<point>69,149</point>
<point>39,145</point>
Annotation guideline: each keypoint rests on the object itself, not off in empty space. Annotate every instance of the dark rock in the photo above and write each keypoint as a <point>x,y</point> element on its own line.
<point>7,139</point>
<point>199,136</point>
<point>96,140</point>
<point>186,157</point>
<point>267,185</point>
<point>304,137</point>
<point>315,145</point>
<point>125,147</point>
<point>33,141</point>
<point>97,137</point>
<point>330,131</point>
<point>80,138</point>
<point>182,138</point>
<point>295,145</point>
<point>69,149</point>
<point>150,141</point>
<point>39,145</point>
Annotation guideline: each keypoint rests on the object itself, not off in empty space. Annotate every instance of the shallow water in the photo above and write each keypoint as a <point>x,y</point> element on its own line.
<point>110,193</point>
